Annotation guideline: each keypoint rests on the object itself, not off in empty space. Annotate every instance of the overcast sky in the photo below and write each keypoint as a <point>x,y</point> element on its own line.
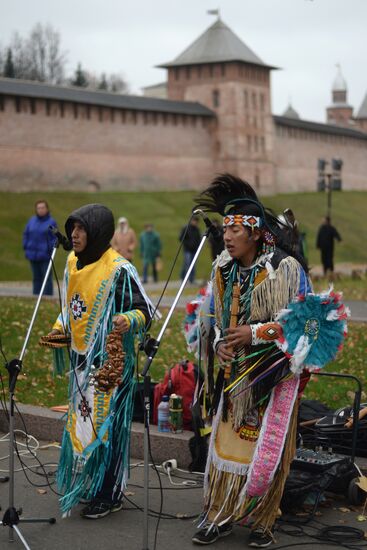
<point>305,38</point>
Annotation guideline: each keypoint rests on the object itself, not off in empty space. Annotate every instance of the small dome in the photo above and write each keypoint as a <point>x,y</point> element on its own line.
<point>290,112</point>
<point>339,84</point>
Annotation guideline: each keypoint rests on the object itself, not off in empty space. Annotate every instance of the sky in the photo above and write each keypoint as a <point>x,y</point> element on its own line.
<point>304,38</point>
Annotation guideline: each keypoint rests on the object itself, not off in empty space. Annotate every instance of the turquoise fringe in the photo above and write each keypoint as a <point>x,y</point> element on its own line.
<point>59,360</point>
<point>82,476</point>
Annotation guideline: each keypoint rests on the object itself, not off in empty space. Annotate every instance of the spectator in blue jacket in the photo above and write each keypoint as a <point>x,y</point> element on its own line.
<point>38,242</point>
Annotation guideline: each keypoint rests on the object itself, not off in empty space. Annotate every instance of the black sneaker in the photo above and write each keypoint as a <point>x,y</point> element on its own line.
<point>208,534</point>
<point>261,538</point>
<point>98,509</point>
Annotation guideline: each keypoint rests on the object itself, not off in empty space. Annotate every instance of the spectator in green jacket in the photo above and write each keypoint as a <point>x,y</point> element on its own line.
<point>150,251</point>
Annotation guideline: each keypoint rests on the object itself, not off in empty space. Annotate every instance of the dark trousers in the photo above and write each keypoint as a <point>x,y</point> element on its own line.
<point>146,269</point>
<point>39,271</point>
<point>327,259</point>
<point>188,256</point>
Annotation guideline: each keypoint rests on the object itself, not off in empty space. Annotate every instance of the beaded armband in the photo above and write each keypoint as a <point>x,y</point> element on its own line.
<point>262,333</point>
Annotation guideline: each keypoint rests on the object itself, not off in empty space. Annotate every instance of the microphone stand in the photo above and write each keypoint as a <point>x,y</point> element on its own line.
<point>11,517</point>
<point>151,349</point>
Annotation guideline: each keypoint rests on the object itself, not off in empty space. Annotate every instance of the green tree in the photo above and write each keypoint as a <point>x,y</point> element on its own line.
<point>80,78</point>
<point>103,84</point>
<point>9,69</point>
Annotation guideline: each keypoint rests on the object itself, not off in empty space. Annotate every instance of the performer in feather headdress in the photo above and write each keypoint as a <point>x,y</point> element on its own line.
<point>254,427</point>
<point>104,308</point>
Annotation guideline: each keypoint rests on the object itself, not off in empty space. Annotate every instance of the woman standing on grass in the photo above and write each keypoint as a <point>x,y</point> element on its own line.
<point>38,242</point>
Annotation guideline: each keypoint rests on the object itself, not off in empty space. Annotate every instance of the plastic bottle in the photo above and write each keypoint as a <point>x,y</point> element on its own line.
<point>163,415</point>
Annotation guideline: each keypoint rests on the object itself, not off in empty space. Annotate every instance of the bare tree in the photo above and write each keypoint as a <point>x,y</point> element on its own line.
<point>46,60</point>
<point>20,56</point>
<point>39,56</point>
<point>117,84</point>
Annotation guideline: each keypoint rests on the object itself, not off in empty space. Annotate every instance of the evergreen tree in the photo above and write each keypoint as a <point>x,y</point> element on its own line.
<point>103,84</point>
<point>80,78</point>
<point>9,69</point>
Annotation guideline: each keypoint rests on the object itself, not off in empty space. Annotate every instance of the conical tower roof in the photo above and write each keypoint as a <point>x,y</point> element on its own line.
<point>217,44</point>
<point>362,113</point>
<point>339,84</point>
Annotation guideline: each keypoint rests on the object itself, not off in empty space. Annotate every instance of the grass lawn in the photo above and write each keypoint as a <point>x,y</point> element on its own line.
<point>38,386</point>
<point>169,211</point>
<point>353,289</point>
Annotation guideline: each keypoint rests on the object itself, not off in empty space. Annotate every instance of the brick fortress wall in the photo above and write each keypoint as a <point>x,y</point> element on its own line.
<point>296,152</point>
<point>47,144</point>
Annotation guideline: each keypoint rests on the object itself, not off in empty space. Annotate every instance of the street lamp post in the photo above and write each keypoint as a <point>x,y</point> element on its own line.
<point>329,180</point>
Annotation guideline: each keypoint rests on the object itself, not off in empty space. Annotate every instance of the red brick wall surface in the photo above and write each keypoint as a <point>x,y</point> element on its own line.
<point>296,153</point>
<point>119,150</point>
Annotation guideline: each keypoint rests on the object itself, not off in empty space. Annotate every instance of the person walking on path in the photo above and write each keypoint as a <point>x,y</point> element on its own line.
<point>38,242</point>
<point>150,251</point>
<point>190,237</point>
<point>124,240</point>
<point>105,308</point>
<point>326,236</point>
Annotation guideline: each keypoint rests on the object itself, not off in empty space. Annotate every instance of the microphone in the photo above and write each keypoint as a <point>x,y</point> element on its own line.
<point>65,243</point>
<point>209,224</point>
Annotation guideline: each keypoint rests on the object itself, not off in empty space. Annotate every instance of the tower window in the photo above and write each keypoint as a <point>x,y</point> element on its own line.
<point>249,143</point>
<point>262,144</point>
<point>223,69</point>
<point>177,73</point>
<point>262,102</point>
<point>211,70</point>
<point>245,98</point>
<point>216,98</point>
<point>188,72</point>
<point>254,103</point>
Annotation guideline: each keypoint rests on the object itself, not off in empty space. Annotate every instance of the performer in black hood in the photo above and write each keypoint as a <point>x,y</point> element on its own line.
<point>99,226</point>
<point>105,308</point>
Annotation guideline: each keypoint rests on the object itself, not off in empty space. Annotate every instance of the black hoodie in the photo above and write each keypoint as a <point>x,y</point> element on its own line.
<point>100,226</point>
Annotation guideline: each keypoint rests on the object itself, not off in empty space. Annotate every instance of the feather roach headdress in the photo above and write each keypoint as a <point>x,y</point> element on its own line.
<point>228,194</point>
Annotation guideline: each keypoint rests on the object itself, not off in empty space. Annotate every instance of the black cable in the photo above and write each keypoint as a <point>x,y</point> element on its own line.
<point>336,535</point>
<point>169,276</point>
<point>2,393</point>
<point>154,514</point>
<point>160,487</point>
<point>40,464</point>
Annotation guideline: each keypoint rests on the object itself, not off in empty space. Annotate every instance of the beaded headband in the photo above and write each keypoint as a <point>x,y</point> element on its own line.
<point>242,219</point>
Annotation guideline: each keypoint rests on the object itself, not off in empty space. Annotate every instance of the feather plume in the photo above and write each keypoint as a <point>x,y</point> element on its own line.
<point>222,190</point>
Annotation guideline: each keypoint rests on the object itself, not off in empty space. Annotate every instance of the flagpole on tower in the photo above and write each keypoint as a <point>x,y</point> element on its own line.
<point>214,12</point>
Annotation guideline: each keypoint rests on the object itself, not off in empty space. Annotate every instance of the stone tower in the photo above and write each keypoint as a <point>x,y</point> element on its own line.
<point>220,71</point>
<point>339,113</point>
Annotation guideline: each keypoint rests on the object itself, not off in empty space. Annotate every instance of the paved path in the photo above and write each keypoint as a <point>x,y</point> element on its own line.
<point>124,529</point>
<point>24,289</point>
